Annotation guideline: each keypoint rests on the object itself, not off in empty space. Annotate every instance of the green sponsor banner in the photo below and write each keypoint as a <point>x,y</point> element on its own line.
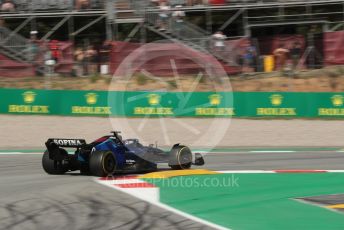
<point>327,105</point>
<point>18,101</point>
<point>173,104</point>
<point>271,104</point>
<point>85,103</point>
<point>152,104</point>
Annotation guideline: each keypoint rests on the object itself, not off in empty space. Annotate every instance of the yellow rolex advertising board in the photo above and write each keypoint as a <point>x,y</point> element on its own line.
<point>28,102</point>
<point>86,103</point>
<point>264,104</point>
<point>332,105</point>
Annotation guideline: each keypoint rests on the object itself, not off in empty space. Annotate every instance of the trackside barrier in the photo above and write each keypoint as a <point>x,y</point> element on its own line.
<point>178,104</point>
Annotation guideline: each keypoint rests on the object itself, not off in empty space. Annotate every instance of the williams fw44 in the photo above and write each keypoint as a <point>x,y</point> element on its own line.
<point>110,154</point>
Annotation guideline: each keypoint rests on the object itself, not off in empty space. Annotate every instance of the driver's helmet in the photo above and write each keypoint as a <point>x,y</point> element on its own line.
<point>115,139</point>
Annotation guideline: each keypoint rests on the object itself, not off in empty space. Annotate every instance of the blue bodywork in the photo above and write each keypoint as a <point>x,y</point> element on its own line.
<point>117,150</point>
<point>127,153</point>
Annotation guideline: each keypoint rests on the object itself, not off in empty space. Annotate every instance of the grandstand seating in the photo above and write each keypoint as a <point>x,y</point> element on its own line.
<point>160,65</point>
<point>333,48</point>
<point>14,61</point>
<point>65,65</point>
<point>12,68</point>
<point>15,47</point>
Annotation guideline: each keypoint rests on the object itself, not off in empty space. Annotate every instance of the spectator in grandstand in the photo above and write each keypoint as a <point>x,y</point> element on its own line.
<point>219,41</point>
<point>91,60</point>
<point>79,57</point>
<point>195,2</point>
<point>104,53</point>
<point>55,50</point>
<point>33,35</point>
<point>49,62</point>
<point>281,57</point>
<point>82,4</point>
<point>178,14</point>
<point>2,22</point>
<point>178,17</point>
<point>8,6</point>
<point>295,53</point>
<point>33,48</point>
<point>240,59</point>
<point>155,2</point>
<point>164,15</point>
<point>250,58</point>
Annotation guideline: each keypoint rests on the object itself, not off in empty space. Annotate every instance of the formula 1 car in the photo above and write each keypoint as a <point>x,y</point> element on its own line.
<point>110,154</point>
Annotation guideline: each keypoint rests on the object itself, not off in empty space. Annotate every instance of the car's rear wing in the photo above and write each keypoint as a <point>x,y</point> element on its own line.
<point>54,145</point>
<point>62,142</point>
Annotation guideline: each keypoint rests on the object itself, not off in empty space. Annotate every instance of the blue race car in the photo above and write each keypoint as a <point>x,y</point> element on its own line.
<point>110,154</point>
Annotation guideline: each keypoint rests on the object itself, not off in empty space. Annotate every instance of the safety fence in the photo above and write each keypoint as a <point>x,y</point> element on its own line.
<point>69,5</point>
<point>172,104</point>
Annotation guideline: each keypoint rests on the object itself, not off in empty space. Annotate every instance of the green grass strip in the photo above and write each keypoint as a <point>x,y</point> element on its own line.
<point>255,201</point>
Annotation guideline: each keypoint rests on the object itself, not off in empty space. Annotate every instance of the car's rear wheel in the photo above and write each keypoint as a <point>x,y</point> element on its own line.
<point>54,167</point>
<point>180,157</point>
<point>102,163</point>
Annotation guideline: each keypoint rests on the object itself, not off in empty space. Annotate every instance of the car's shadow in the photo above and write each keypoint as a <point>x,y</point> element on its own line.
<point>77,173</point>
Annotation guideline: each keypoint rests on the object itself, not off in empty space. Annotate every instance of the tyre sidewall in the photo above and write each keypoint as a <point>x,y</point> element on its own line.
<point>176,155</point>
<point>98,163</point>
<point>49,165</point>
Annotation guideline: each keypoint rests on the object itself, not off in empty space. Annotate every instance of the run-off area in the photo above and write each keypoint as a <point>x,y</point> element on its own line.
<point>256,200</point>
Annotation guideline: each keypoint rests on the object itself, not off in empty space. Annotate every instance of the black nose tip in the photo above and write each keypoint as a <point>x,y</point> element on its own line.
<point>199,159</point>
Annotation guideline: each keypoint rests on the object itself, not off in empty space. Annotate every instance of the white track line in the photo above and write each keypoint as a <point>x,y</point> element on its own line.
<point>273,151</point>
<point>335,171</point>
<point>19,153</point>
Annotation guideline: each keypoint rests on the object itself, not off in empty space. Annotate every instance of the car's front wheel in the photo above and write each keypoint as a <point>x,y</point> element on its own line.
<point>180,157</point>
<point>102,163</point>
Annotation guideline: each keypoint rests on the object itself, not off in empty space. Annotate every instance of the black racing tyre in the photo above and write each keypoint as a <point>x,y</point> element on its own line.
<point>180,157</point>
<point>102,163</point>
<point>54,167</point>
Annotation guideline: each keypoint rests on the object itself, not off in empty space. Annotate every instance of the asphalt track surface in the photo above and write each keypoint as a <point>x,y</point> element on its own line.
<point>31,199</point>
